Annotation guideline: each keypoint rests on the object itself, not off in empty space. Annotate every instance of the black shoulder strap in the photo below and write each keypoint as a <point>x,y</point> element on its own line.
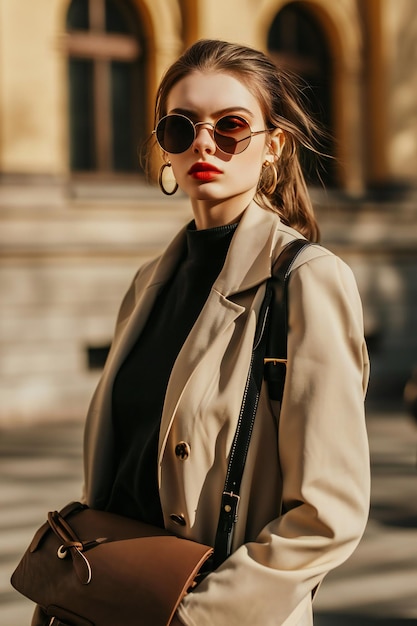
<point>269,349</point>
<point>276,350</point>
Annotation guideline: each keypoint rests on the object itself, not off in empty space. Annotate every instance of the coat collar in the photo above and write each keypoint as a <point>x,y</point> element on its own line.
<point>248,262</point>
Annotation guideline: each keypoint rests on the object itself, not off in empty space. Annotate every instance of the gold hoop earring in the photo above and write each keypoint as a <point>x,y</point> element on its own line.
<point>161,182</point>
<point>268,187</point>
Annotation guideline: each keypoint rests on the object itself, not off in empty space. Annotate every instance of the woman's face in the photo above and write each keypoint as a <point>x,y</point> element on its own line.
<point>220,185</point>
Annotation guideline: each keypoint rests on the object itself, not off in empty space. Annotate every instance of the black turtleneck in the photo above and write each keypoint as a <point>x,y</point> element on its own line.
<point>140,385</point>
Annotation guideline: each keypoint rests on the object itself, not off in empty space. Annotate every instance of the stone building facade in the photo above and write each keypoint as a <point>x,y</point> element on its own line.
<point>77,216</point>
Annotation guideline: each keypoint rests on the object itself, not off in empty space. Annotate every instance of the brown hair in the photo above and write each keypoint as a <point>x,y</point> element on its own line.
<point>281,102</point>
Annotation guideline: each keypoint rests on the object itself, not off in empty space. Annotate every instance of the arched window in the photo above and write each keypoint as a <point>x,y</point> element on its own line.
<point>297,42</point>
<point>106,85</point>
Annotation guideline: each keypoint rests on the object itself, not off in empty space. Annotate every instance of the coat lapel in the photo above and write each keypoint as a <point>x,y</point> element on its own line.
<point>247,265</point>
<point>248,262</point>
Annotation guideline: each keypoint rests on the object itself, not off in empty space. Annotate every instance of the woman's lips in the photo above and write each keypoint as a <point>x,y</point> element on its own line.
<point>204,171</point>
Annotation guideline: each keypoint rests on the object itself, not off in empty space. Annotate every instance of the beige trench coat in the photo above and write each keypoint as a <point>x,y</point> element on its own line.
<point>305,491</point>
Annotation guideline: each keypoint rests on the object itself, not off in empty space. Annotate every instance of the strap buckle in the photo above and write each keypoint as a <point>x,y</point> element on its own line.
<point>230,504</point>
<point>274,361</point>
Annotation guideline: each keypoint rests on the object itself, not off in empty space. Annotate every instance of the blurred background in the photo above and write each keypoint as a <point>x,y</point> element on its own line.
<point>77,215</point>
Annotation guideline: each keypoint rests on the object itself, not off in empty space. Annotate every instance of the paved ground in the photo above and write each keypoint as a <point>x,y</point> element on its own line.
<point>40,469</point>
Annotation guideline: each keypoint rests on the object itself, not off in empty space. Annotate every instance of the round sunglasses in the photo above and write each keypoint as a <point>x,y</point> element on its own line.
<point>232,134</point>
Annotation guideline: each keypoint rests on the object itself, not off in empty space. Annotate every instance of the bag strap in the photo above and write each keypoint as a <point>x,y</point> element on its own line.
<point>267,342</point>
<point>275,359</point>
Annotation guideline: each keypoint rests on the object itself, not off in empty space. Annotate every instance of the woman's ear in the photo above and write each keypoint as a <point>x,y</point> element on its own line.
<point>276,143</point>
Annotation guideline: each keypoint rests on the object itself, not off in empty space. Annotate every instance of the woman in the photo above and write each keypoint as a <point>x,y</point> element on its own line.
<point>160,425</point>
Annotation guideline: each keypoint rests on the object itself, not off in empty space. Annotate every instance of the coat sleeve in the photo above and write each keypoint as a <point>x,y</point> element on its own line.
<point>324,458</point>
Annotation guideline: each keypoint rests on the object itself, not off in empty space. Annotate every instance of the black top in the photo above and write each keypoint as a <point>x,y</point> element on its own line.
<point>140,385</point>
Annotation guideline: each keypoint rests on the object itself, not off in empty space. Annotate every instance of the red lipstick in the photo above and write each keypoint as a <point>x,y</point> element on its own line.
<point>204,171</point>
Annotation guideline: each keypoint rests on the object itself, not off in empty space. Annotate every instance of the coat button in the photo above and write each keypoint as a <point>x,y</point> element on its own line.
<point>182,450</point>
<point>178,519</point>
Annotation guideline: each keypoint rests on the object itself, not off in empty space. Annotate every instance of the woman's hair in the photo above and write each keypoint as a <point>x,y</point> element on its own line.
<point>281,103</point>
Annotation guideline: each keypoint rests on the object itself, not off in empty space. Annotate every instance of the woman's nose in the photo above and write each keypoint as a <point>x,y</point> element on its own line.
<point>204,139</point>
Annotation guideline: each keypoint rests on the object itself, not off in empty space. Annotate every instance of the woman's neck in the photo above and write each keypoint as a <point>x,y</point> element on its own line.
<point>212,213</point>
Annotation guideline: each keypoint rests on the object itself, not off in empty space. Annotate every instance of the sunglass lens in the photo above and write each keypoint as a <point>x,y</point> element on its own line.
<point>175,133</point>
<point>232,134</point>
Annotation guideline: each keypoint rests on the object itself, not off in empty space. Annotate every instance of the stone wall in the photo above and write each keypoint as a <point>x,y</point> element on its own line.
<point>65,265</point>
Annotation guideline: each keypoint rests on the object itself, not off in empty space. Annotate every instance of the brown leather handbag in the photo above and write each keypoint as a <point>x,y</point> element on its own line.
<point>88,567</point>
<point>93,568</point>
